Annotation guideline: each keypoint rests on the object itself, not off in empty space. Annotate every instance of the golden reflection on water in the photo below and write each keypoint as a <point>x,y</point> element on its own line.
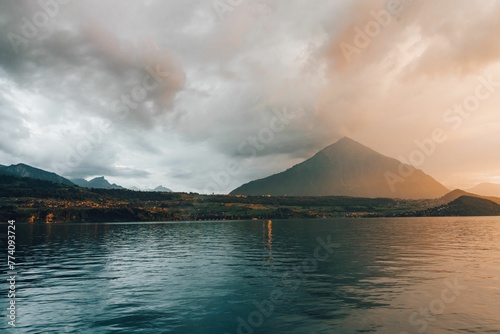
<point>267,237</point>
<point>270,237</point>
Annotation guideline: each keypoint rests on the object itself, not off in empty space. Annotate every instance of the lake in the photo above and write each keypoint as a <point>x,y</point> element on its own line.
<point>402,276</point>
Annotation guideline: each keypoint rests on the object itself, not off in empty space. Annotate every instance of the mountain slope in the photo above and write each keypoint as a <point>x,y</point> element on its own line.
<point>97,183</point>
<point>345,168</point>
<point>457,193</point>
<point>467,206</point>
<point>23,170</point>
<point>486,189</point>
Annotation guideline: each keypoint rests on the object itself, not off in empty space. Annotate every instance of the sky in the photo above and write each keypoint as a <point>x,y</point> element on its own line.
<point>203,95</point>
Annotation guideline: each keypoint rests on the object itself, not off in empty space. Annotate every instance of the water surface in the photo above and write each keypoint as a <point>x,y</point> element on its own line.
<point>432,275</point>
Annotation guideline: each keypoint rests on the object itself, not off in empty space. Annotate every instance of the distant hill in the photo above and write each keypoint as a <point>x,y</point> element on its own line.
<point>162,189</point>
<point>157,189</point>
<point>345,168</point>
<point>467,206</point>
<point>453,195</point>
<point>486,189</point>
<point>23,170</point>
<point>97,183</point>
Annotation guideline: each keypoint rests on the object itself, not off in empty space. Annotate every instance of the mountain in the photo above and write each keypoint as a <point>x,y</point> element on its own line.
<point>23,170</point>
<point>486,189</point>
<point>453,195</point>
<point>467,206</point>
<point>457,193</point>
<point>347,168</point>
<point>162,189</point>
<point>80,182</point>
<point>97,183</point>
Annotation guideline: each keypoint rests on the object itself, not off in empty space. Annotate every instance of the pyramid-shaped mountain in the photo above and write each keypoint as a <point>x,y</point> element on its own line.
<point>347,168</point>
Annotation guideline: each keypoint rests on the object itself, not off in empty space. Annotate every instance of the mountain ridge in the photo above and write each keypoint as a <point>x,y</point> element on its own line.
<point>457,193</point>
<point>96,183</point>
<point>466,206</point>
<point>23,170</point>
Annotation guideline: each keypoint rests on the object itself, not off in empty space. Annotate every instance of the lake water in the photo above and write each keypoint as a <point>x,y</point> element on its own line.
<point>402,276</point>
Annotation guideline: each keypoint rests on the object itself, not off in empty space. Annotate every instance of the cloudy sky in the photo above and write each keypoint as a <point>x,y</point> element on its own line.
<point>202,95</point>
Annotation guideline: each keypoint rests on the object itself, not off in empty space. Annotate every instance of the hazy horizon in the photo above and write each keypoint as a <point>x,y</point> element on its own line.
<point>171,93</point>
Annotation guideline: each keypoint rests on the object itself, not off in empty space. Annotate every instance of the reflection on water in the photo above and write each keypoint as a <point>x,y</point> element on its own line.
<point>267,237</point>
<point>387,276</point>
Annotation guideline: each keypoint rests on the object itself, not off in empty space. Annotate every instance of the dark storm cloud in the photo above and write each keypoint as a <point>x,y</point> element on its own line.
<point>89,169</point>
<point>91,66</point>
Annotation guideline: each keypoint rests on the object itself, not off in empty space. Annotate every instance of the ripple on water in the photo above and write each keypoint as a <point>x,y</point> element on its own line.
<point>208,277</point>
